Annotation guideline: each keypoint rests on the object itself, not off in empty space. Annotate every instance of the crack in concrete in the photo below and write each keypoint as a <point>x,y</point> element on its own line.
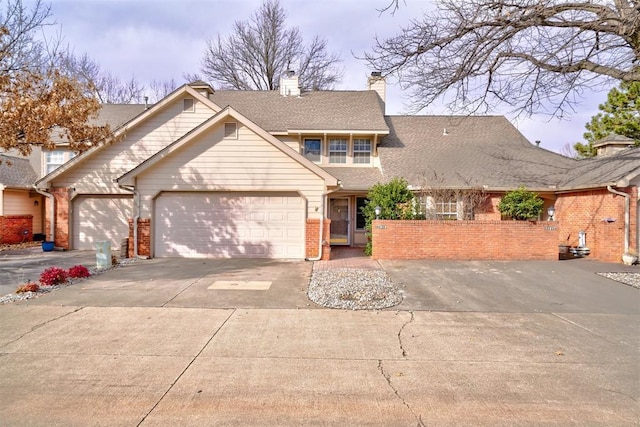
<point>387,378</point>
<point>38,326</point>
<point>186,368</point>
<point>404,351</point>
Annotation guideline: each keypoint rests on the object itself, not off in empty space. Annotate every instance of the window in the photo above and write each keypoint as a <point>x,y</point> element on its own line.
<point>312,149</point>
<point>188,106</point>
<point>55,159</point>
<point>361,202</point>
<point>361,151</point>
<point>231,130</point>
<point>337,151</point>
<point>447,209</point>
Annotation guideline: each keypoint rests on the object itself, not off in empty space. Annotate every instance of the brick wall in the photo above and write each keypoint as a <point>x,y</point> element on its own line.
<point>601,215</point>
<point>465,240</point>
<point>61,235</point>
<point>489,210</point>
<point>312,237</point>
<point>12,229</point>
<point>144,237</point>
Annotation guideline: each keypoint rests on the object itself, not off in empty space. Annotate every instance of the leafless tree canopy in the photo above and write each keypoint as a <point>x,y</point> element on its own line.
<point>536,56</point>
<point>259,51</point>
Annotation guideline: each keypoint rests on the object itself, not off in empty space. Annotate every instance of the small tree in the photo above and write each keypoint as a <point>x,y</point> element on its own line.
<point>521,204</point>
<point>396,201</point>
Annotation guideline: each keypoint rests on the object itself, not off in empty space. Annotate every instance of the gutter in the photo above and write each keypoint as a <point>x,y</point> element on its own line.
<point>322,217</point>
<point>627,215</point>
<point>52,213</point>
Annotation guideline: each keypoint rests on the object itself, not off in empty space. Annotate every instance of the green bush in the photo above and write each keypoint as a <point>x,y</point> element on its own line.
<point>396,201</point>
<point>521,204</point>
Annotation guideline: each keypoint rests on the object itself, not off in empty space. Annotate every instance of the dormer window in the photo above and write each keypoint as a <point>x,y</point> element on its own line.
<point>188,106</point>
<point>362,151</point>
<point>337,151</point>
<point>312,149</point>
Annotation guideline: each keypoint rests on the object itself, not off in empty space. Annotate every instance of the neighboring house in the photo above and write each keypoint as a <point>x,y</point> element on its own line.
<point>282,174</point>
<point>20,205</point>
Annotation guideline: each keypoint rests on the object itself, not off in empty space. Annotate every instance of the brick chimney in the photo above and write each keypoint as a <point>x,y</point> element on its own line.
<point>377,82</point>
<point>289,85</point>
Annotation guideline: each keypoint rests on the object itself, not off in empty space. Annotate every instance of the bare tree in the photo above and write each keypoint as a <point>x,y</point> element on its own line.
<point>102,84</point>
<point>434,196</point>
<point>262,49</point>
<point>536,56</point>
<point>158,89</point>
<point>38,104</point>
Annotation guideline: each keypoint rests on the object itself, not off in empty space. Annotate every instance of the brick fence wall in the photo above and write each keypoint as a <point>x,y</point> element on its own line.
<point>465,240</point>
<point>13,227</point>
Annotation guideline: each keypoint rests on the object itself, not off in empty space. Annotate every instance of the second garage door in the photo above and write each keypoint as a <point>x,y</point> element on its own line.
<point>101,218</point>
<point>225,225</point>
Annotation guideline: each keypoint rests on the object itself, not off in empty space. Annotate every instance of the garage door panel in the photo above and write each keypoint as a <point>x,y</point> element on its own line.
<point>100,218</point>
<point>219,225</point>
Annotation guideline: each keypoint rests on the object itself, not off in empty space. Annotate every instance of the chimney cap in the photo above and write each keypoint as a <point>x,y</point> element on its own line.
<point>291,73</point>
<point>376,74</point>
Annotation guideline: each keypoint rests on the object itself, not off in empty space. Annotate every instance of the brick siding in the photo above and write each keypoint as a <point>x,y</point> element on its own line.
<point>61,235</point>
<point>12,229</point>
<point>465,240</point>
<point>144,237</point>
<point>312,236</point>
<point>601,215</point>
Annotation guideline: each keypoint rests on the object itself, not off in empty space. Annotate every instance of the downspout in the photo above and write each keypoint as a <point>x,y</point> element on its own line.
<point>627,215</point>
<point>52,211</point>
<point>136,204</point>
<point>322,217</point>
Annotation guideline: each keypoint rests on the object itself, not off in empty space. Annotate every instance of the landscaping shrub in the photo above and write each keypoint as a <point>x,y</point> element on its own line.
<point>28,287</point>
<point>53,276</point>
<point>78,271</point>
<point>521,204</point>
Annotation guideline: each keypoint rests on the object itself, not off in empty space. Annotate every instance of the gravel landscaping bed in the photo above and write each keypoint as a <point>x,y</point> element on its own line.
<point>46,289</point>
<point>631,279</point>
<point>353,289</point>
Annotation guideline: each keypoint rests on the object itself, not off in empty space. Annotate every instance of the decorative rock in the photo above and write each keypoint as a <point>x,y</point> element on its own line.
<point>353,289</point>
<point>631,279</point>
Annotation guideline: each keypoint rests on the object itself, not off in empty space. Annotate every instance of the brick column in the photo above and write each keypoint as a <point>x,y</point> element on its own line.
<point>61,233</point>
<point>312,236</point>
<point>144,237</point>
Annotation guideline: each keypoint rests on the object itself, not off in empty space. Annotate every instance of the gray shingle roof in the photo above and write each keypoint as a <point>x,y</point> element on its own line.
<point>16,172</point>
<point>601,171</point>
<point>316,110</point>
<point>467,151</point>
<point>356,178</point>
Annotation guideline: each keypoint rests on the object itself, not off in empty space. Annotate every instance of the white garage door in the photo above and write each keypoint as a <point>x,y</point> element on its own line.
<point>225,225</point>
<point>101,218</point>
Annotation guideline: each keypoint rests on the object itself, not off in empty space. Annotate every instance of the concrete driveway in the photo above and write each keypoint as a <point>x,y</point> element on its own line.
<point>472,344</point>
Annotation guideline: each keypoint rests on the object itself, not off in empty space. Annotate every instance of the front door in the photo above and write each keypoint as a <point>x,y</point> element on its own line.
<point>339,216</point>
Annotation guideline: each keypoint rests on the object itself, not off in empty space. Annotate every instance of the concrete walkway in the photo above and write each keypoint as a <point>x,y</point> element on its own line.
<point>151,344</point>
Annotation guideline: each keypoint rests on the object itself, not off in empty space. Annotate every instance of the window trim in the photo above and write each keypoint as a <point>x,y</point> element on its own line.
<point>361,151</point>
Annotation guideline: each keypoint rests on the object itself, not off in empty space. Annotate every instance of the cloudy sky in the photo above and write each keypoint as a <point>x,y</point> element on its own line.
<point>163,39</point>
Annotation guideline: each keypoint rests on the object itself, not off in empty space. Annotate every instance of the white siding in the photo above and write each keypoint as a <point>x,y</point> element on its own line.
<point>19,203</point>
<point>292,142</point>
<point>249,163</point>
<point>96,175</point>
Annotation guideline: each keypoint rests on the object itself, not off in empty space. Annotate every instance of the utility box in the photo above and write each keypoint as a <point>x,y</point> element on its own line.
<point>103,254</point>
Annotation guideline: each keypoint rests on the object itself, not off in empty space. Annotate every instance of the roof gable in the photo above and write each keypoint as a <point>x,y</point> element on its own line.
<point>220,117</point>
<point>129,125</point>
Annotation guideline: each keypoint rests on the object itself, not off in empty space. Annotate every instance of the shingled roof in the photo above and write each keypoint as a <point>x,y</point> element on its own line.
<point>356,178</point>
<point>467,151</point>
<point>603,171</point>
<point>315,110</point>
<point>16,172</point>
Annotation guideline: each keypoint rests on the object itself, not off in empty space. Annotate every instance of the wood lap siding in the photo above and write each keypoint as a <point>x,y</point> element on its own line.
<point>245,164</point>
<point>139,144</point>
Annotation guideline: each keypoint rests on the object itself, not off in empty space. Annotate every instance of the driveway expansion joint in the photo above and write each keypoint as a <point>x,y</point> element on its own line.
<point>387,378</point>
<point>155,405</point>
<point>38,326</point>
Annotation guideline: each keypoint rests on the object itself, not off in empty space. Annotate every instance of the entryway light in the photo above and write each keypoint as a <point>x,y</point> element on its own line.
<point>377,210</point>
<point>551,211</point>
